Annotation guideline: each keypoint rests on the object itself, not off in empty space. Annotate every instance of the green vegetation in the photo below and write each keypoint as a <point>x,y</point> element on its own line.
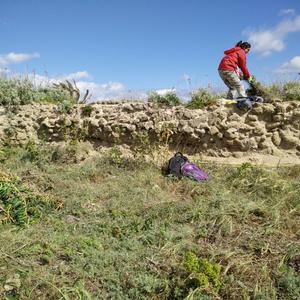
<point>169,99</point>
<point>116,228</point>
<point>288,91</point>
<point>291,91</point>
<point>203,274</point>
<point>23,91</point>
<point>18,204</point>
<point>201,99</point>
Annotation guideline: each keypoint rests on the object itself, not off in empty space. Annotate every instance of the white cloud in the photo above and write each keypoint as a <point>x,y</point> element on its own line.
<point>291,66</point>
<point>15,58</point>
<point>105,91</point>
<point>272,40</point>
<point>163,92</point>
<point>288,11</point>
<point>5,71</point>
<point>99,91</point>
<point>74,76</point>
<point>186,77</point>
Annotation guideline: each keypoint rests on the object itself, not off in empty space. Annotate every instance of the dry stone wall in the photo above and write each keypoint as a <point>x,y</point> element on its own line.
<point>268,128</point>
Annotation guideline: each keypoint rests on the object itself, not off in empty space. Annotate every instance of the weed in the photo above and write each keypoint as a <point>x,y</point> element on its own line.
<point>203,273</point>
<point>23,91</point>
<point>19,205</point>
<point>86,110</point>
<point>32,152</point>
<point>258,89</point>
<point>291,91</point>
<point>65,107</point>
<point>169,99</point>
<point>125,231</point>
<point>288,282</point>
<point>10,131</point>
<point>201,99</point>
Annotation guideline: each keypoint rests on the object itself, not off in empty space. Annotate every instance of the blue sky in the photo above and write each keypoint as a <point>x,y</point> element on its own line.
<point>116,46</point>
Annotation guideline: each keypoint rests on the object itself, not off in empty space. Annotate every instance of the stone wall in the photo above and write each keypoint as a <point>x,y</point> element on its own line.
<point>217,131</point>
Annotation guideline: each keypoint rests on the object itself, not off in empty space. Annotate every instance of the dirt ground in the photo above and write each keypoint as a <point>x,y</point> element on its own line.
<point>255,158</point>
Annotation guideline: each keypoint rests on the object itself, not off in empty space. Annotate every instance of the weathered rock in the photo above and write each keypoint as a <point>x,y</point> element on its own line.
<point>187,129</point>
<point>252,118</point>
<point>289,140</point>
<point>271,126</point>
<point>278,118</point>
<point>214,130</point>
<point>266,128</point>
<point>199,122</point>
<point>276,139</point>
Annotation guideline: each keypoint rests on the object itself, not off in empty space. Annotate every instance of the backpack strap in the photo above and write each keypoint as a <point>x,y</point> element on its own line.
<point>178,154</point>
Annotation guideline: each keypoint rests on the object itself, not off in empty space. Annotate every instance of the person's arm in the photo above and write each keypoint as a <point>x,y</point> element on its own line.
<point>242,64</point>
<point>239,73</point>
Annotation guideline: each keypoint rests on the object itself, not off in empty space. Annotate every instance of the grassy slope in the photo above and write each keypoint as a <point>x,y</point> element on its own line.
<point>123,231</point>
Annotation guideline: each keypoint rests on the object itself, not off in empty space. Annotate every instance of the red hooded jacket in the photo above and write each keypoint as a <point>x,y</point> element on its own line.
<point>234,58</point>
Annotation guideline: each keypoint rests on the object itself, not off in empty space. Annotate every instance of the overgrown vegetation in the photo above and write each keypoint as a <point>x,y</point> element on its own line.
<point>18,204</point>
<point>126,232</point>
<point>201,99</point>
<point>66,94</point>
<point>169,99</point>
<point>17,91</point>
<point>23,91</point>
<point>288,91</point>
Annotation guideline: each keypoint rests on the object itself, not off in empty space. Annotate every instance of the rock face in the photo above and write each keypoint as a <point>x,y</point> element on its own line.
<point>267,128</point>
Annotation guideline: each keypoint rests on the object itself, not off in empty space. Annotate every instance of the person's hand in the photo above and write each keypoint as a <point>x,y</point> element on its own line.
<point>251,79</point>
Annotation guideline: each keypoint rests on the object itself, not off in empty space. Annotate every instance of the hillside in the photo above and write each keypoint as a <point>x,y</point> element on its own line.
<point>114,227</point>
<point>85,212</point>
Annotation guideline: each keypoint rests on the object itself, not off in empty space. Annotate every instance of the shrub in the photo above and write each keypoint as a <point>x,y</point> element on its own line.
<point>13,92</point>
<point>291,91</point>
<point>201,99</point>
<point>23,91</point>
<point>169,99</point>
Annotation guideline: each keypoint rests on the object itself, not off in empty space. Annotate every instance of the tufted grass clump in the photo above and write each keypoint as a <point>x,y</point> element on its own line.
<point>18,204</point>
<point>286,91</point>
<point>201,99</point>
<point>291,91</point>
<point>169,99</point>
<point>86,110</point>
<point>258,89</point>
<point>288,282</point>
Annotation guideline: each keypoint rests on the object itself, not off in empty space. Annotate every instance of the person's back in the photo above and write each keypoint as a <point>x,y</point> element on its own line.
<point>229,69</point>
<point>235,58</point>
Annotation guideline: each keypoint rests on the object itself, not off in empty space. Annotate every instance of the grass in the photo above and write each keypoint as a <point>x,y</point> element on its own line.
<point>23,91</point>
<point>123,231</point>
<point>169,99</point>
<point>14,92</point>
<point>201,99</point>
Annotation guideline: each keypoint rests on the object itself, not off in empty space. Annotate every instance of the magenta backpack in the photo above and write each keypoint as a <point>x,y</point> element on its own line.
<point>192,171</point>
<point>180,166</point>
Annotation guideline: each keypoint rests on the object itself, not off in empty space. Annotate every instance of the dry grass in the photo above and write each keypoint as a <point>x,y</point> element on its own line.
<point>124,231</point>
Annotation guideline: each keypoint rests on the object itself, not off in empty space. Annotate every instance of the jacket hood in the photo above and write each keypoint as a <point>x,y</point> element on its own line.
<point>232,50</point>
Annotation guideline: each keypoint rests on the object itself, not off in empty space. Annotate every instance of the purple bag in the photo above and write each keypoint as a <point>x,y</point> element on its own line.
<point>194,172</point>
